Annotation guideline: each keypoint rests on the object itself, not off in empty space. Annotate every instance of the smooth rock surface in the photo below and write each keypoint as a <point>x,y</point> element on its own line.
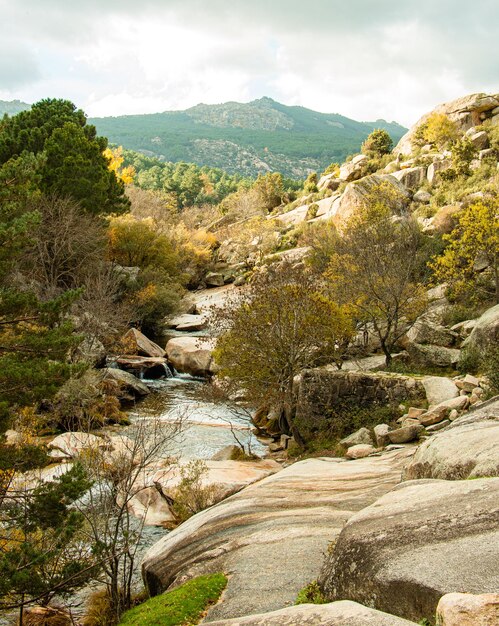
<point>468,448</point>
<point>438,389</point>
<point>467,609</point>
<point>192,355</point>
<point>270,538</point>
<point>420,541</point>
<point>343,613</point>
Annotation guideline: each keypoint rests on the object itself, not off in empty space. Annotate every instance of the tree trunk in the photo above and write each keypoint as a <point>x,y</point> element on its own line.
<point>386,352</point>
<point>289,414</point>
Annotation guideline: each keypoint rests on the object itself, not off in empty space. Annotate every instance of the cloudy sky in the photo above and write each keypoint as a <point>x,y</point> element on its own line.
<point>367,59</point>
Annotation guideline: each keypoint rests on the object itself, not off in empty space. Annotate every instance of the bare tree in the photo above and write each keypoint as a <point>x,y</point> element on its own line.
<point>66,244</point>
<point>118,477</point>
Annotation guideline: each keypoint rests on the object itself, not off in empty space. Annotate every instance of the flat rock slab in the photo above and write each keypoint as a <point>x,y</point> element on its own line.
<point>468,448</point>
<point>424,539</point>
<point>270,538</point>
<point>343,613</point>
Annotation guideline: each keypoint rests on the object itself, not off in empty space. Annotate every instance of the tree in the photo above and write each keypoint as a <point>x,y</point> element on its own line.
<point>463,152</point>
<point>41,549</point>
<point>270,190</point>
<point>73,162</point>
<point>377,143</point>
<point>283,324</point>
<point>373,270</point>
<point>68,245</point>
<point>437,129</point>
<point>119,478</point>
<point>472,245</point>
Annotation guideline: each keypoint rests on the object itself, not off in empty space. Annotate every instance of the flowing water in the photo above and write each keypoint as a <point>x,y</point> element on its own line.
<point>206,424</point>
<point>207,428</point>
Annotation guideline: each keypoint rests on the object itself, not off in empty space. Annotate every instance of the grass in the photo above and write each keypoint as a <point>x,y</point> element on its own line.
<point>186,604</point>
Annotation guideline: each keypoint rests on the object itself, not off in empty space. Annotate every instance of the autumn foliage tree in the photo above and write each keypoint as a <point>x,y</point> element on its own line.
<point>373,270</point>
<point>283,324</point>
<point>472,246</point>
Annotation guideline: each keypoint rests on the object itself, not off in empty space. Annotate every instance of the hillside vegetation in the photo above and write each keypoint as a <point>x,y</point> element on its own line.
<point>249,139</point>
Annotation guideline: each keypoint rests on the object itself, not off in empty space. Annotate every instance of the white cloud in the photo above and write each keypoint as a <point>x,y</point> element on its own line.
<point>364,59</point>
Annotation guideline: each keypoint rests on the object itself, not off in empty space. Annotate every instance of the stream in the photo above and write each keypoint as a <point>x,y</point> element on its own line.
<point>206,430</point>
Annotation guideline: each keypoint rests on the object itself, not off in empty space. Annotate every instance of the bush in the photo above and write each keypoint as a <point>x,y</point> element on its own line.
<point>85,403</point>
<point>99,611</point>
<point>378,143</point>
<point>191,496</point>
<point>311,594</point>
<point>438,129</point>
<point>186,604</point>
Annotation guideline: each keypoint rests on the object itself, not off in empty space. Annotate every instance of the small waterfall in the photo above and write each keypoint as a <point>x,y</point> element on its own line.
<point>168,372</point>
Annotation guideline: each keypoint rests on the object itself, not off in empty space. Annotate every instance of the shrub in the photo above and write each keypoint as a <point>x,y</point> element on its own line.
<point>311,594</point>
<point>439,130</point>
<point>377,143</point>
<point>191,496</point>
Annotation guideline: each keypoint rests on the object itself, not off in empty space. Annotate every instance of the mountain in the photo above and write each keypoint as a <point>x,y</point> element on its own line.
<point>12,107</point>
<point>252,138</point>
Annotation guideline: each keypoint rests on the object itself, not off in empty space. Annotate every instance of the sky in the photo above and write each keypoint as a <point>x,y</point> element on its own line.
<point>366,59</point>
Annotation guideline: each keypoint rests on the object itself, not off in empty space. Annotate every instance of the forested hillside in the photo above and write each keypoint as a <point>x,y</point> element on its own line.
<point>249,139</point>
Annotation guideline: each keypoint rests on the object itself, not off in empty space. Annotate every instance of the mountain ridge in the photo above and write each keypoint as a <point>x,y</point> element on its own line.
<point>247,138</point>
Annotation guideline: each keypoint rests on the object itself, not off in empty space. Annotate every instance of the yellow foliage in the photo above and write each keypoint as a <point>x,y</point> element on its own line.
<point>146,294</point>
<point>115,158</point>
<point>475,238</point>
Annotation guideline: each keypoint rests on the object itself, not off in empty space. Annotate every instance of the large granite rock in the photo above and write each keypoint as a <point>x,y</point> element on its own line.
<point>433,356</point>
<point>192,355</point>
<point>420,541</point>
<point>343,613</point>
<point>467,609</point>
<point>465,112</point>
<point>411,177</point>
<point>358,194</point>
<point>354,169</point>
<point>135,342</point>
<point>128,386</point>
<point>439,389</point>
<point>271,536</point>
<point>468,448</point>
<point>363,435</point>
<point>72,444</point>
<point>295,216</point>
<point>486,330</point>
<point>188,323</point>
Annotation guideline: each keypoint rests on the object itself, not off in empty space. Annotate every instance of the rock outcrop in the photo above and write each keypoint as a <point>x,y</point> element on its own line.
<point>135,342</point>
<point>320,390</point>
<point>128,386</point>
<point>486,330</point>
<point>343,613</point>
<point>465,112</point>
<point>192,355</point>
<point>270,537</point>
<point>468,448</point>
<point>420,541</point>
